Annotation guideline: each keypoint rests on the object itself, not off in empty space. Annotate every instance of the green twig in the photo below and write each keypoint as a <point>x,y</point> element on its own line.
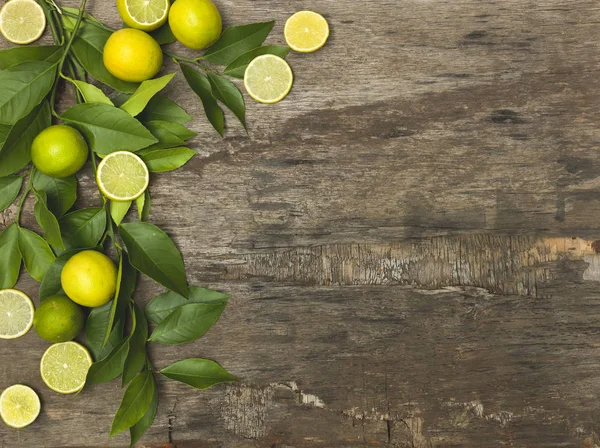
<point>56,29</point>
<point>195,62</point>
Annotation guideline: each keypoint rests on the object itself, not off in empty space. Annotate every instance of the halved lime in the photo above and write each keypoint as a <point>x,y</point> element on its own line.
<point>22,21</point>
<point>146,15</point>
<point>19,406</point>
<point>306,31</point>
<point>16,313</point>
<point>268,79</point>
<point>122,176</point>
<point>64,367</point>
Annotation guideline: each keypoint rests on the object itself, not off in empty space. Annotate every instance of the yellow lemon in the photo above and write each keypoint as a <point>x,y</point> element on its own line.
<point>195,23</point>
<point>89,278</point>
<point>132,55</point>
<point>59,151</point>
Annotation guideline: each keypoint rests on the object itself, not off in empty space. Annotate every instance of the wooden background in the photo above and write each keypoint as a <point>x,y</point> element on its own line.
<point>408,238</point>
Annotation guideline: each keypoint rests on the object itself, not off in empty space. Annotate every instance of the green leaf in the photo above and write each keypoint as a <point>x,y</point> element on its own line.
<point>187,323</point>
<point>36,253</point>
<point>118,210</point>
<point>138,430</point>
<point>9,190</point>
<point>166,138</point>
<point>136,359</point>
<point>83,228</point>
<point>91,93</point>
<point>16,151</point>
<point>164,35</point>
<point>237,40</point>
<point>162,108</point>
<point>10,256</point>
<point>17,55</point>
<point>108,128</point>
<point>96,328</point>
<point>237,68</point>
<point>144,93</point>
<point>198,373</point>
<point>47,221</point>
<point>110,367</point>
<point>153,253</point>
<point>135,403</point>
<point>51,284</point>
<point>201,87</point>
<point>164,304</point>
<point>227,93</point>
<point>143,206</point>
<point>175,128</point>
<point>126,282</point>
<point>61,193</point>
<point>23,87</point>
<point>4,130</point>
<point>161,160</point>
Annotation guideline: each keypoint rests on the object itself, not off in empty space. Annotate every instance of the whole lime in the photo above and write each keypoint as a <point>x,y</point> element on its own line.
<point>195,23</point>
<point>89,278</point>
<point>58,319</point>
<point>59,151</point>
<point>132,55</point>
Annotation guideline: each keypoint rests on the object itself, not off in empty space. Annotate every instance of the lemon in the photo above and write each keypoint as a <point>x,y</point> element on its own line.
<point>16,313</point>
<point>268,79</point>
<point>58,319</point>
<point>64,367</point>
<point>195,23</point>
<point>132,55</point>
<point>146,15</point>
<point>59,151</point>
<point>19,406</point>
<point>89,278</point>
<point>306,31</point>
<point>122,176</point>
<point>22,21</point>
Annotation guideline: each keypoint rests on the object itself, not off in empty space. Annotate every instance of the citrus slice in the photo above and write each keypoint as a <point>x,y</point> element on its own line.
<point>64,367</point>
<point>16,313</point>
<point>19,406</point>
<point>146,15</point>
<point>306,31</point>
<point>268,79</point>
<point>22,21</point>
<point>122,176</point>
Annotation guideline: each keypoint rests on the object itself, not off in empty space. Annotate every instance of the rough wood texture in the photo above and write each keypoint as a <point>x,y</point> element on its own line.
<point>409,239</point>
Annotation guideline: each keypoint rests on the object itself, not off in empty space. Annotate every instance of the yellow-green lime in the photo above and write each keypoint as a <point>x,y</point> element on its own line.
<point>58,319</point>
<point>268,79</point>
<point>145,15</point>
<point>22,21</point>
<point>16,313</point>
<point>122,176</point>
<point>306,31</point>
<point>195,23</point>
<point>132,55</point>
<point>64,367</point>
<point>59,151</point>
<point>19,406</point>
<point>89,278</point>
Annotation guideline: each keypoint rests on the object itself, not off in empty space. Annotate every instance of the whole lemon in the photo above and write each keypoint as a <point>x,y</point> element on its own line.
<point>58,319</point>
<point>132,55</point>
<point>59,151</point>
<point>89,278</point>
<point>145,15</point>
<point>195,23</point>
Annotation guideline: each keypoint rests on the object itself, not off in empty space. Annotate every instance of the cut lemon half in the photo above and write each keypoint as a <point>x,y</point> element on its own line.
<point>122,176</point>
<point>22,21</point>
<point>268,79</point>
<point>19,406</point>
<point>146,15</point>
<point>64,367</point>
<point>306,31</point>
<point>16,314</point>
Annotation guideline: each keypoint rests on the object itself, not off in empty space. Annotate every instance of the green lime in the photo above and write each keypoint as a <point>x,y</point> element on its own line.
<point>59,151</point>
<point>19,406</point>
<point>64,367</point>
<point>22,21</point>
<point>58,319</point>
<point>195,23</point>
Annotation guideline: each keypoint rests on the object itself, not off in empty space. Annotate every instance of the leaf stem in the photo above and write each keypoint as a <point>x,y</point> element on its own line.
<point>195,62</point>
<point>55,27</point>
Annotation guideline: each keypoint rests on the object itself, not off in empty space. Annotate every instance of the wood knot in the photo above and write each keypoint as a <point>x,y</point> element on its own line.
<point>596,246</point>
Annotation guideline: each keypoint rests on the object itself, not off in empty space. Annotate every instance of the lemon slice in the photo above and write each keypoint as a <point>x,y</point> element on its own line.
<point>22,21</point>
<point>268,79</point>
<point>19,406</point>
<point>16,313</point>
<point>146,15</point>
<point>122,176</point>
<point>306,31</point>
<point>64,367</point>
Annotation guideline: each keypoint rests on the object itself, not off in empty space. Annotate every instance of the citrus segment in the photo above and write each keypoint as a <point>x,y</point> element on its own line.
<point>146,15</point>
<point>64,367</point>
<point>306,31</point>
<point>122,176</point>
<point>19,406</point>
<point>16,313</point>
<point>268,79</point>
<point>22,21</point>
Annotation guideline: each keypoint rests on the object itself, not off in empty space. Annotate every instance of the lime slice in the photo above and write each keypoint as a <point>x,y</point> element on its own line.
<point>268,79</point>
<point>122,176</point>
<point>16,313</point>
<point>144,15</point>
<point>64,367</point>
<point>306,31</point>
<point>19,406</point>
<point>22,21</point>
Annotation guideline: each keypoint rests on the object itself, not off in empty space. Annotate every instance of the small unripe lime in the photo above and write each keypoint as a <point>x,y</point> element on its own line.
<point>58,319</point>
<point>59,151</point>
